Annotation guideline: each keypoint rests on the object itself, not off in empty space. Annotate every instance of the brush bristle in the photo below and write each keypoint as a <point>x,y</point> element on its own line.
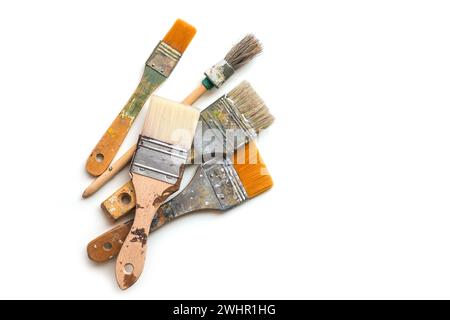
<point>171,122</point>
<point>248,48</point>
<point>251,106</point>
<point>251,170</point>
<point>180,35</point>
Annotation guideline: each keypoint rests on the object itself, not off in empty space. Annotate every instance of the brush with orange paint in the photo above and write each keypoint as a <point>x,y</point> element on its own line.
<point>215,186</point>
<point>158,68</point>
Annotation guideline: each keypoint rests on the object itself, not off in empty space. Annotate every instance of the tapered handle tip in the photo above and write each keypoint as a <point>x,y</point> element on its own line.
<point>87,193</point>
<point>126,275</point>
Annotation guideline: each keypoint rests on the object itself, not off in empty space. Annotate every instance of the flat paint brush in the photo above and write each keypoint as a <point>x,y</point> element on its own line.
<point>241,112</point>
<point>156,170</point>
<point>243,52</point>
<point>217,186</point>
<point>158,68</point>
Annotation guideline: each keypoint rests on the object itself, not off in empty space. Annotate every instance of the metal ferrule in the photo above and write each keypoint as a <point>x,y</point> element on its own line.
<point>214,187</point>
<point>163,59</point>
<point>219,73</point>
<point>228,131</point>
<point>158,160</point>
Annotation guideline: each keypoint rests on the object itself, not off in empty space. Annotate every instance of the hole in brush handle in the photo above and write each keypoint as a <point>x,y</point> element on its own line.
<point>108,146</point>
<point>99,157</point>
<point>128,268</point>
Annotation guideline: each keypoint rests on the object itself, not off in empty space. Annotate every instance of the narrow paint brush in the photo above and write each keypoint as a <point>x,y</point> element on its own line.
<point>217,186</point>
<point>243,52</point>
<point>156,170</point>
<point>238,56</point>
<point>241,111</point>
<point>157,69</point>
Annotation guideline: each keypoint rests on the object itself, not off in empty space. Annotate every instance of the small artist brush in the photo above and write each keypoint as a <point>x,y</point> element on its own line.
<point>219,186</point>
<point>157,69</point>
<point>238,56</point>
<point>241,110</point>
<point>156,170</point>
<point>244,51</point>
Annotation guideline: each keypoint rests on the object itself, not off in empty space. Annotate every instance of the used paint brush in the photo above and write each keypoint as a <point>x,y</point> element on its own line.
<point>156,170</point>
<point>215,77</point>
<point>244,51</point>
<point>217,186</point>
<point>241,112</point>
<point>157,69</point>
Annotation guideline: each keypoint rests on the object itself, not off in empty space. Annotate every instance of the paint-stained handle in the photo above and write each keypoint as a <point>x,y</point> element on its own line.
<point>121,203</point>
<point>108,245</point>
<point>131,259</point>
<point>109,174</point>
<point>106,149</point>
<point>130,262</point>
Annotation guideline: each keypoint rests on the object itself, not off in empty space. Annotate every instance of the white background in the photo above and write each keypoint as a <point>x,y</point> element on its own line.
<point>359,151</point>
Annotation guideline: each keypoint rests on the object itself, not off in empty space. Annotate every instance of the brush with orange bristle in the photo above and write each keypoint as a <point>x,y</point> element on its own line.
<point>216,186</point>
<point>158,68</point>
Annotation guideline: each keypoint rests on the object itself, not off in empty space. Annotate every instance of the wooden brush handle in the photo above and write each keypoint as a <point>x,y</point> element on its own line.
<point>106,149</point>
<point>195,95</point>
<point>121,203</point>
<point>110,173</point>
<point>108,245</point>
<point>130,262</point>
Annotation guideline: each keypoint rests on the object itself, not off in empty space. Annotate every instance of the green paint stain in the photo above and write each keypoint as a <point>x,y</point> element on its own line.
<point>150,81</point>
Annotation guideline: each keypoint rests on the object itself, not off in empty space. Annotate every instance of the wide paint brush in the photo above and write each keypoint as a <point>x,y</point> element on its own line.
<point>217,186</point>
<point>156,170</point>
<point>215,77</point>
<point>157,69</point>
<point>241,113</point>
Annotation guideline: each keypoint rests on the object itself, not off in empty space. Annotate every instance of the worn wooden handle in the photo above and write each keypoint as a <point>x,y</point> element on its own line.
<point>110,173</point>
<point>108,245</point>
<point>130,263</point>
<point>121,203</point>
<point>106,149</point>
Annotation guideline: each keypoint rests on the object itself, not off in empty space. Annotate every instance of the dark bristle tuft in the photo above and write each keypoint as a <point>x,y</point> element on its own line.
<point>248,48</point>
<point>251,106</point>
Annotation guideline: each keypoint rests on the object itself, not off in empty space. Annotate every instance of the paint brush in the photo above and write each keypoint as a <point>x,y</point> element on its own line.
<point>156,170</point>
<point>241,112</point>
<point>243,52</point>
<point>158,68</point>
<point>217,186</point>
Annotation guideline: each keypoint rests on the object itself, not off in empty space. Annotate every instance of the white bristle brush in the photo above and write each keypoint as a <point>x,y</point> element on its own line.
<point>156,171</point>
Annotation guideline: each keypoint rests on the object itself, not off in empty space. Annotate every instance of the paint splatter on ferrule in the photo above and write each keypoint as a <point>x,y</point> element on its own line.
<point>219,73</point>
<point>164,59</point>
